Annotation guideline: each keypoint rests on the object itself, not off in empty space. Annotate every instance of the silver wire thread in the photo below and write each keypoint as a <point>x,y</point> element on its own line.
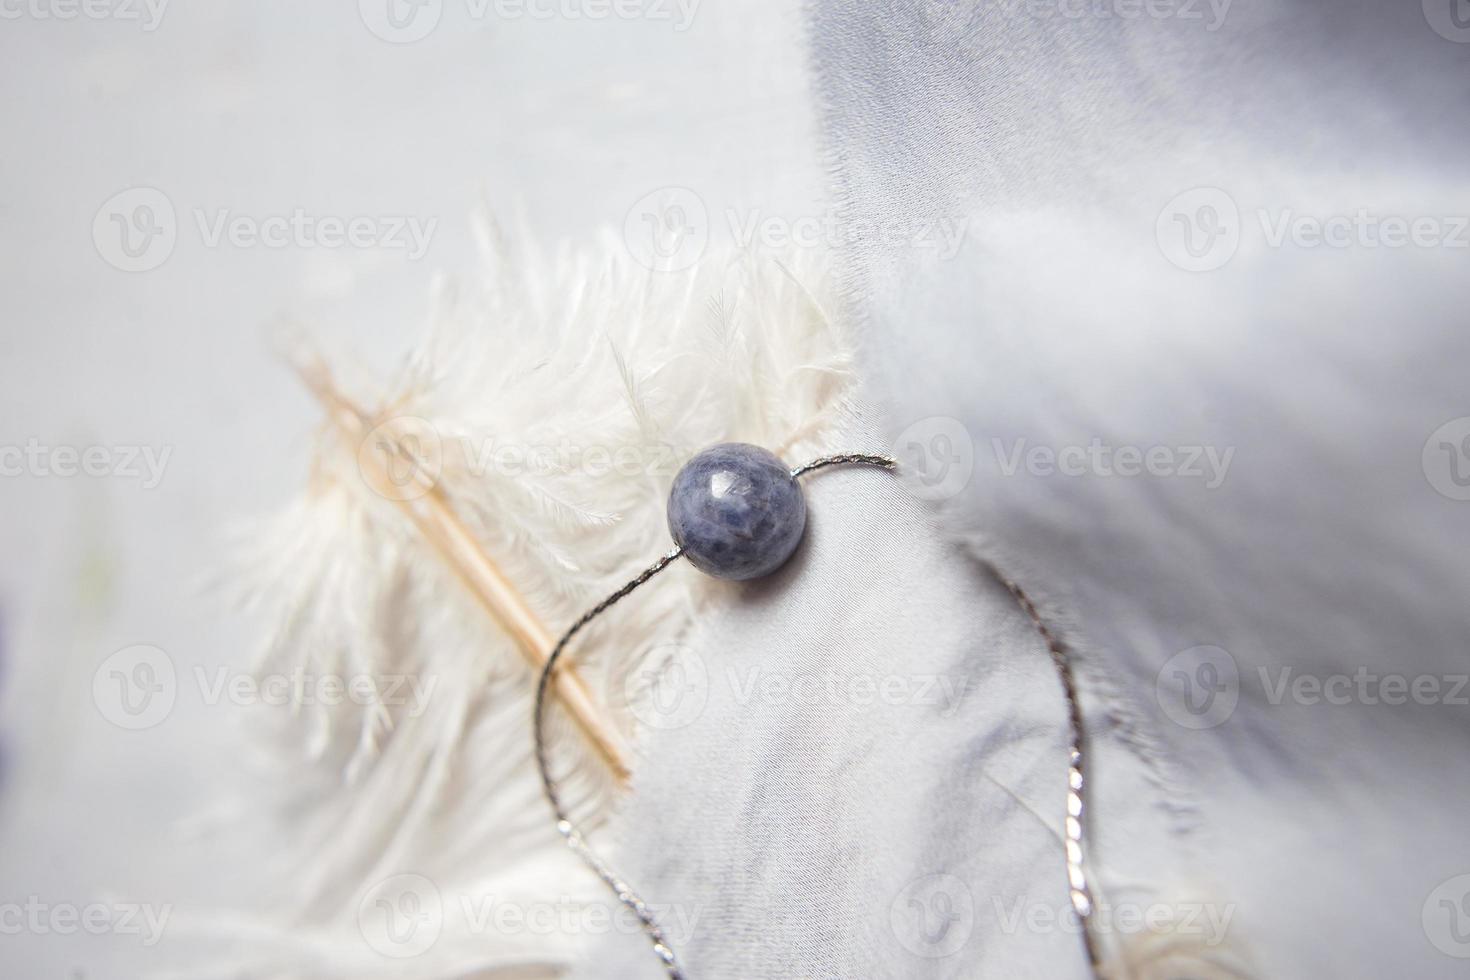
<point>883,462</point>
<point>564,825</point>
<point>1080,888</point>
<point>1077,876</point>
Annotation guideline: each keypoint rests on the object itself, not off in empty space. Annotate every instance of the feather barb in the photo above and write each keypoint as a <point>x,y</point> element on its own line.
<point>432,515</point>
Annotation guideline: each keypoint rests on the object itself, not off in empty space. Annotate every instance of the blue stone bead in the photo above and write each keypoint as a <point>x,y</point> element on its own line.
<point>736,511</point>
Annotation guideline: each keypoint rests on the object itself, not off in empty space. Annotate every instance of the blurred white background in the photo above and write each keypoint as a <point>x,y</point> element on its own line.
<point>255,111</point>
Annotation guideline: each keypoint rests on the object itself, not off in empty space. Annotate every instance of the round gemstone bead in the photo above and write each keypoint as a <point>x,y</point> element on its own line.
<point>736,511</point>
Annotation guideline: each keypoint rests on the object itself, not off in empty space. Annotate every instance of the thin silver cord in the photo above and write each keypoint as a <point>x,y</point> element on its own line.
<point>882,462</point>
<point>564,825</point>
<point>1078,877</point>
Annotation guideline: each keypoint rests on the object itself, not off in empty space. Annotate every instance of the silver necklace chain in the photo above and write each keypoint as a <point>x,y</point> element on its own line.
<point>564,825</point>
<point>1078,877</point>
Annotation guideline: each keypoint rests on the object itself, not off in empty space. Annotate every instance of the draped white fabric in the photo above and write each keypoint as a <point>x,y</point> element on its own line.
<point>1204,363</point>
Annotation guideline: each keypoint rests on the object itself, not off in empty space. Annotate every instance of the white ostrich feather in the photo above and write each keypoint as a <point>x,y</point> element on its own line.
<point>563,390</point>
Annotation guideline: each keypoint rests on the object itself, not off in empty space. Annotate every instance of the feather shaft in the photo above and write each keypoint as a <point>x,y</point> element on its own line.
<point>433,516</point>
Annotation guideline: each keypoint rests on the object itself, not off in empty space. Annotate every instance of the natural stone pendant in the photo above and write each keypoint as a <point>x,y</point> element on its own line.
<point>737,511</point>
